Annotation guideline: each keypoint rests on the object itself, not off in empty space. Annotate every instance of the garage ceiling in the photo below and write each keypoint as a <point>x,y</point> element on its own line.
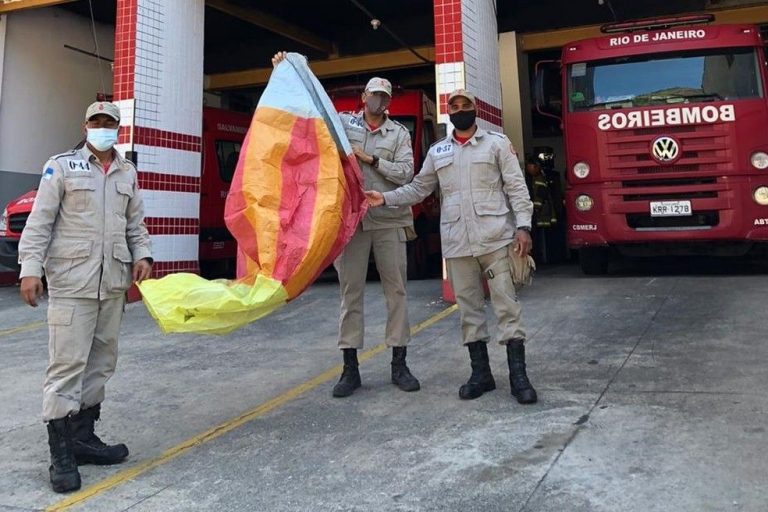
<point>236,38</point>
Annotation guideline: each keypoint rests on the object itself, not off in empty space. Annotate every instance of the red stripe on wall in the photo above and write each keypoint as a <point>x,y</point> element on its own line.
<point>164,139</point>
<point>449,46</point>
<point>170,182</point>
<point>125,49</point>
<point>489,113</point>
<point>172,226</point>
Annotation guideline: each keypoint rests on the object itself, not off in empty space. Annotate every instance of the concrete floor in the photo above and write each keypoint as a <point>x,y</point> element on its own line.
<point>653,397</point>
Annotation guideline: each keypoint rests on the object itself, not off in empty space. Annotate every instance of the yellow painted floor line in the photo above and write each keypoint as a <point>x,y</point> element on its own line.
<point>22,328</point>
<point>132,472</point>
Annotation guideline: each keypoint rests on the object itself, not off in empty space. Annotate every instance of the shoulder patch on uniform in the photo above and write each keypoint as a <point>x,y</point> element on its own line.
<point>355,121</point>
<point>78,164</point>
<point>48,173</point>
<point>442,148</point>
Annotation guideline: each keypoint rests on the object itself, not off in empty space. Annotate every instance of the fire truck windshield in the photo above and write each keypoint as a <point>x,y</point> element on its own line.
<point>664,79</point>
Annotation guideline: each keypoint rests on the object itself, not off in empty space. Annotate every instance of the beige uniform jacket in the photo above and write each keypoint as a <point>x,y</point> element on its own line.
<point>479,182</point>
<point>391,142</point>
<point>86,228</point>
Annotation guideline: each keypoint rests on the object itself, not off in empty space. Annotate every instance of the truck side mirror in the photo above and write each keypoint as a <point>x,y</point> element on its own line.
<point>546,89</point>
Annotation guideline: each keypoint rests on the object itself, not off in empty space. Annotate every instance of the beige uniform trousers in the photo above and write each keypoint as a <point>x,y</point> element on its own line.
<point>465,275</point>
<point>388,247</point>
<point>82,349</point>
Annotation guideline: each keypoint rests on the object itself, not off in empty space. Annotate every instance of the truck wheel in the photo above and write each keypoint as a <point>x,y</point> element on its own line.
<point>594,260</point>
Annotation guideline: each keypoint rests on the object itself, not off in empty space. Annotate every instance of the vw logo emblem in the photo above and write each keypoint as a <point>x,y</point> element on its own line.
<point>665,149</point>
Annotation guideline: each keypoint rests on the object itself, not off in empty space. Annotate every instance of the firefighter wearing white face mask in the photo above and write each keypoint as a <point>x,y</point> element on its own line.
<point>86,233</point>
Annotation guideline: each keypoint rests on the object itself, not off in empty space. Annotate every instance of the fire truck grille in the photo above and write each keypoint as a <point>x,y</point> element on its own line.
<point>17,222</point>
<point>704,148</point>
<point>674,189</point>
<point>700,220</point>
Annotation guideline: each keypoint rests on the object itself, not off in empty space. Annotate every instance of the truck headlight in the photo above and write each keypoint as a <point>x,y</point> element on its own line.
<point>761,196</point>
<point>581,170</point>
<point>584,203</point>
<point>759,160</point>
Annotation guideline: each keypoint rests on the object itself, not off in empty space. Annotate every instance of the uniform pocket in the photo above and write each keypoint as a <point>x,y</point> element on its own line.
<point>385,150</point>
<point>120,270</point>
<point>356,137</point>
<point>60,315</point>
<point>62,261</point>
<point>78,193</point>
<point>450,228</point>
<point>493,220</point>
<point>491,208</point>
<point>124,194</point>
<point>69,249</point>
<point>485,173</point>
<point>61,347</point>
<point>450,213</point>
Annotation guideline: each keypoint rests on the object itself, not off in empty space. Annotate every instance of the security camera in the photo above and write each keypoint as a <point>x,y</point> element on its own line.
<point>375,23</point>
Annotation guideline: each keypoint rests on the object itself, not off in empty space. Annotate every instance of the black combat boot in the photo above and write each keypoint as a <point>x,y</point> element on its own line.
<point>63,468</point>
<point>522,389</point>
<point>401,375</point>
<point>88,448</point>
<point>481,379</point>
<point>350,377</point>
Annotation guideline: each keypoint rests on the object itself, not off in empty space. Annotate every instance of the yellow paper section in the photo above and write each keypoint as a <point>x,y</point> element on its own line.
<point>188,303</point>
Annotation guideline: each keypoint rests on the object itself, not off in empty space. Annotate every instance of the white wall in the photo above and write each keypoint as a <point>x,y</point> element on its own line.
<point>516,98</point>
<point>515,115</point>
<point>45,89</point>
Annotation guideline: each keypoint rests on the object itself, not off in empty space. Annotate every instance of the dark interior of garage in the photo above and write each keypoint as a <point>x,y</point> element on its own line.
<point>243,35</point>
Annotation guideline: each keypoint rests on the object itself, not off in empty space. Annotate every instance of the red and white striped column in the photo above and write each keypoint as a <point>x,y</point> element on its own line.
<point>467,55</point>
<point>158,85</point>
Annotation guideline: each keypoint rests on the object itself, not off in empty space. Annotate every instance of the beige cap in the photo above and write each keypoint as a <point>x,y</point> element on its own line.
<point>377,84</point>
<point>103,107</point>
<point>464,93</point>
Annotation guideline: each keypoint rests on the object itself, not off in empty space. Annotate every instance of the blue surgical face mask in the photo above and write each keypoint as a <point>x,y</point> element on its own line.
<point>102,139</point>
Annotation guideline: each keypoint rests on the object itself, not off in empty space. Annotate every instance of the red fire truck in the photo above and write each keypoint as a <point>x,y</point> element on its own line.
<point>223,133</point>
<point>665,133</point>
<point>414,110</point>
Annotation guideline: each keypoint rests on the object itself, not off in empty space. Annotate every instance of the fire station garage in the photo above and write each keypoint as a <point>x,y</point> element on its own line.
<point>652,389</point>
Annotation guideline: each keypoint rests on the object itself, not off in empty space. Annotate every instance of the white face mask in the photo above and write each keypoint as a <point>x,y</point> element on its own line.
<point>102,139</point>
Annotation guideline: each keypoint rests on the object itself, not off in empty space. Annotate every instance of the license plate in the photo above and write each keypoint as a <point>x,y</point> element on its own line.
<point>671,208</point>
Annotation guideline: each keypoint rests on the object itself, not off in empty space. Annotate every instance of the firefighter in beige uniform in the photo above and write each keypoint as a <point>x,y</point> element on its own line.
<point>383,149</point>
<point>479,179</point>
<point>86,232</point>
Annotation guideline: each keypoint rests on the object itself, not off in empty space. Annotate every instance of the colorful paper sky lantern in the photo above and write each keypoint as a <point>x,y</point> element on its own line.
<point>295,202</point>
